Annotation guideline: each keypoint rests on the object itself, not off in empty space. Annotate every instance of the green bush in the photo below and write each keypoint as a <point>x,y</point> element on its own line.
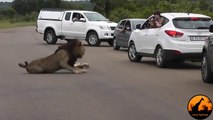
<point>27,18</point>
<point>119,13</point>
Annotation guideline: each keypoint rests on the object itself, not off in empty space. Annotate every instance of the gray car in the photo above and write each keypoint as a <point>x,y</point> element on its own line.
<point>124,30</point>
<point>207,62</point>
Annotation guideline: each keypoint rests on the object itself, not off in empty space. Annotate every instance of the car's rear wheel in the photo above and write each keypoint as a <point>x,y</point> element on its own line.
<point>160,58</point>
<point>132,53</point>
<point>205,70</point>
<point>115,45</point>
<point>92,39</point>
<point>50,37</point>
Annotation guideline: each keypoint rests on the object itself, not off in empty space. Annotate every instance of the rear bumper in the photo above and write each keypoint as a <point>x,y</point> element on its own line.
<point>176,55</point>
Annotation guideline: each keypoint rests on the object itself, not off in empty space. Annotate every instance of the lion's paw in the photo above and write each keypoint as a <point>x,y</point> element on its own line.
<point>82,65</point>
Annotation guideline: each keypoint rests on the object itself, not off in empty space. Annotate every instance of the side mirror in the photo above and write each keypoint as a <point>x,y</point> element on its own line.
<point>211,28</point>
<point>138,26</point>
<point>82,20</point>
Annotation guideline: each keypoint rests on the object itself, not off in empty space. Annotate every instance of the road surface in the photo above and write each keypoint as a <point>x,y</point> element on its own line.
<point>113,89</point>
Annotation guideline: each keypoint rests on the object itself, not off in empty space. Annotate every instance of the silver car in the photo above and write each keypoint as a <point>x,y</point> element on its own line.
<point>124,30</point>
<point>207,62</point>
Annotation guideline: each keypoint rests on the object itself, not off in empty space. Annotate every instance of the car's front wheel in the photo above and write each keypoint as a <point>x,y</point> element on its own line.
<point>205,70</point>
<point>115,45</point>
<point>110,42</point>
<point>132,53</point>
<point>92,39</point>
<point>160,58</point>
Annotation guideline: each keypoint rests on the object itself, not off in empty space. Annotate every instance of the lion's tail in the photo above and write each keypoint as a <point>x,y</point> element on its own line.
<point>22,65</point>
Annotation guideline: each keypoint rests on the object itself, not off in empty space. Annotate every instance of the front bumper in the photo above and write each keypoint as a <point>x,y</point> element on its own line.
<point>106,34</point>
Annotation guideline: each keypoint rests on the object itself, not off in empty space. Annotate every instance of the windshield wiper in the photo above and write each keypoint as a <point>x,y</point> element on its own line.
<point>100,20</point>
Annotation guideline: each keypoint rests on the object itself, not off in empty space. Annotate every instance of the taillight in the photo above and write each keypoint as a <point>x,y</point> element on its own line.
<point>194,18</point>
<point>173,33</point>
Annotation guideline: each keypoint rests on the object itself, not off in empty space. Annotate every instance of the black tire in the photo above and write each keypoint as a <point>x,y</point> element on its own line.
<point>132,53</point>
<point>110,42</point>
<point>205,70</point>
<point>92,39</point>
<point>50,37</point>
<point>115,45</point>
<point>160,58</point>
<point>68,40</point>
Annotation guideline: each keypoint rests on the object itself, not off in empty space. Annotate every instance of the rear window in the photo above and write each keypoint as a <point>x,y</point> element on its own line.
<point>192,23</point>
<point>67,16</point>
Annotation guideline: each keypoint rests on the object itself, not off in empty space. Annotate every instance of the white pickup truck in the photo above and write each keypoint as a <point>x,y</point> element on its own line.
<point>75,24</point>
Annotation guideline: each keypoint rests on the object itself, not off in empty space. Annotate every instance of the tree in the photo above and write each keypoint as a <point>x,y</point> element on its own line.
<point>24,7</point>
<point>10,12</point>
<point>102,6</point>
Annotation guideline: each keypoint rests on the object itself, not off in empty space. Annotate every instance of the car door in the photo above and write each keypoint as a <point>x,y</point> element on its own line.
<point>126,34</point>
<point>210,52</point>
<point>78,27</point>
<point>119,32</point>
<point>66,25</point>
<point>140,37</point>
<point>151,38</point>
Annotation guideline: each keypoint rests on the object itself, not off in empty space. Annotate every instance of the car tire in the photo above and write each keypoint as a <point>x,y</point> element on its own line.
<point>132,53</point>
<point>92,39</point>
<point>160,58</point>
<point>115,45</point>
<point>205,70</point>
<point>110,42</point>
<point>50,37</point>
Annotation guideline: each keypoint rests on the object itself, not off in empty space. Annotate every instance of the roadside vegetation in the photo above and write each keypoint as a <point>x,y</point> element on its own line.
<point>7,24</point>
<point>25,12</point>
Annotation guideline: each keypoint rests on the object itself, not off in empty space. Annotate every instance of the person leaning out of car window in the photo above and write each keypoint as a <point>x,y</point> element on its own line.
<point>157,20</point>
<point>127,27</point>
<point>76,17</point>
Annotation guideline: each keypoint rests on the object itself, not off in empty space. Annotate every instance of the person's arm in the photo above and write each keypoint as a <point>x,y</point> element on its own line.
<point>159,23</point>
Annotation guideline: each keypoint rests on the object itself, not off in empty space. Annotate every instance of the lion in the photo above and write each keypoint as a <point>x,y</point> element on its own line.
<point>64,57</point>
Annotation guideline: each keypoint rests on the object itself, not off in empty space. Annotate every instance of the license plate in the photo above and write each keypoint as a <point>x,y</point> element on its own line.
<point>198,38</point>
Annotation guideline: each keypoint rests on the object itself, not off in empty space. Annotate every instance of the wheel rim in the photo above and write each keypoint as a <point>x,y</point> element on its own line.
<point>159,58</point>
<point>114,43</point>
<point>204,67</point>
<point>132,52</point>
<point>49,38</point>
<point>93,39</point>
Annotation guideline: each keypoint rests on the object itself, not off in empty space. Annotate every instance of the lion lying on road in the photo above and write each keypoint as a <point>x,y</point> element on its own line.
<point>64,58</point>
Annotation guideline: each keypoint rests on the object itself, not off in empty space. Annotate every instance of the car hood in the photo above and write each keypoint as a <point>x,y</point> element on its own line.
<point>105,23</point>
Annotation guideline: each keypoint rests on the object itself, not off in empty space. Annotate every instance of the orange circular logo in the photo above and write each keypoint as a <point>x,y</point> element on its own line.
<point>200,107</point>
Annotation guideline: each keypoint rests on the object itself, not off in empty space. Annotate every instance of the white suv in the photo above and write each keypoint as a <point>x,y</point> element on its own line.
<point>181,37</point>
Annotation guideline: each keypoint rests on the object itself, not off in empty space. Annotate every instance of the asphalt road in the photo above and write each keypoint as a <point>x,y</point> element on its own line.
<point>113,89</point>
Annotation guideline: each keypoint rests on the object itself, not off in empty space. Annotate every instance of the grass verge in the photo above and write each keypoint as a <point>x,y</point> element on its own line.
<point>7,24</point>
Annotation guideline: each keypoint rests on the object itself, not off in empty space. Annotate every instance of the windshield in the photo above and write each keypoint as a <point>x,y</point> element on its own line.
<point>95,17</point>
<point>192,23</point>
<point>136,22</point>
